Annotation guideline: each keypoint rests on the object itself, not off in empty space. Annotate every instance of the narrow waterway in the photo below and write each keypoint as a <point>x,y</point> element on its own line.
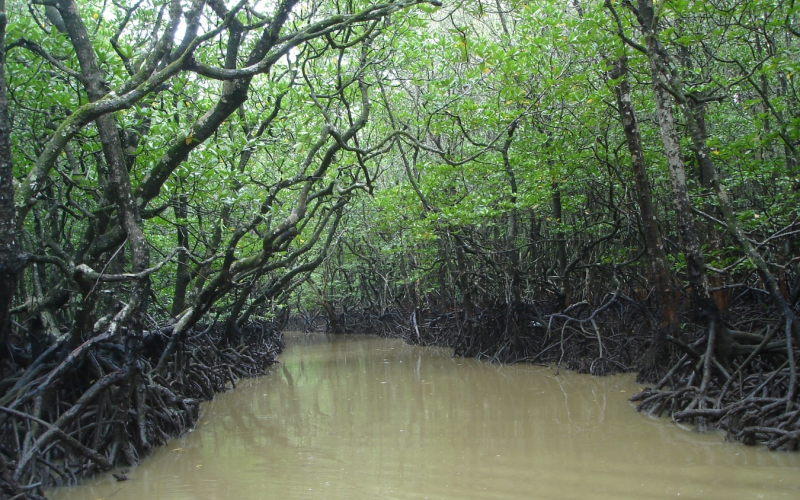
<point>365,418</point>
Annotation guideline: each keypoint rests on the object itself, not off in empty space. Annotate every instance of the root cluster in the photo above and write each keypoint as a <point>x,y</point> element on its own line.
<point>752,395</point>
<point>78,410</point>
<point>600,341</point>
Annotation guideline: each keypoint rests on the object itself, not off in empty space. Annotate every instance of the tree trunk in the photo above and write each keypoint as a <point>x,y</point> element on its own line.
<point>184,275</point>
<point>561,250</point>
<point>698,136</point>
<point>9,251</point>
<point>513,225</point>
<point>654,360</point>
<point>695,262</point>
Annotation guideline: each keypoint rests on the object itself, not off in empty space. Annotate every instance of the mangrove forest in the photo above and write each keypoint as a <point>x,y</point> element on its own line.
<point>598,187</point>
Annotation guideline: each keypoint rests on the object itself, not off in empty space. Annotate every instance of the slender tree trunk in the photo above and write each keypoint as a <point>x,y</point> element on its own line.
<point>464,285</point>
<point>561,249</point>
<point>184,275</point>
<point>131,315</point>
<point>445,276</point>
<point>109,136</point>
<point>692,251</point>
<point>695,264</point>
<point>710,236</point>
<point>9,250</point>
<point>789,155</point>
<point>513,224</point>
<point>698,136</point>
<point>653,361</point>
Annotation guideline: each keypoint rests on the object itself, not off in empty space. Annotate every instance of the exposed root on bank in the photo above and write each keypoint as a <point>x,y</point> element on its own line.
<point>79,410</point>
<point>601,340</point>
<point>753,398</point>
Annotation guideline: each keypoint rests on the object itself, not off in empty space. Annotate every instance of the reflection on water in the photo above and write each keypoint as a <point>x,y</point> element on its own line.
<point>368,418</point>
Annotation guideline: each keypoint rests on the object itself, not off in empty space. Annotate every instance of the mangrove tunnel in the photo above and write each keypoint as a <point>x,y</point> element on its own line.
<point>594,187</point>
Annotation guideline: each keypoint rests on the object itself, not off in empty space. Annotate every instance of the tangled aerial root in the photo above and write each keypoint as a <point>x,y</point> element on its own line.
<point>600,341</point>
<point>753,399</point>
<point>72,414</point>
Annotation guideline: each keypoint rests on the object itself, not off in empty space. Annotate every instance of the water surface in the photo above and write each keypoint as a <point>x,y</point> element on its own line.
<point>365,418</point>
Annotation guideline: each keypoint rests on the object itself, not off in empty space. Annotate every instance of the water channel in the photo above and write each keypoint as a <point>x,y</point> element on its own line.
<point>365,418</point>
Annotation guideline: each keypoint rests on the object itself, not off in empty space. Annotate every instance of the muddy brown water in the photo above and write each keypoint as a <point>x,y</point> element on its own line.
<point>365,418</point>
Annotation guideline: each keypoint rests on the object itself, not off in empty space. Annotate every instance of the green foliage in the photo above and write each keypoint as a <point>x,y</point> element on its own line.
<point>456,87</point>
<point>478,122</point>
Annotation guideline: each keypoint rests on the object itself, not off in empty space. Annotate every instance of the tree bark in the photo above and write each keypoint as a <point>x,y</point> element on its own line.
<point>652,363</point>
<point>183,276</point>
<point>513,224</point>
<point>119,180</point>
<point>9,250</point>
<point>692,251</point>
<point>561,250</point>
